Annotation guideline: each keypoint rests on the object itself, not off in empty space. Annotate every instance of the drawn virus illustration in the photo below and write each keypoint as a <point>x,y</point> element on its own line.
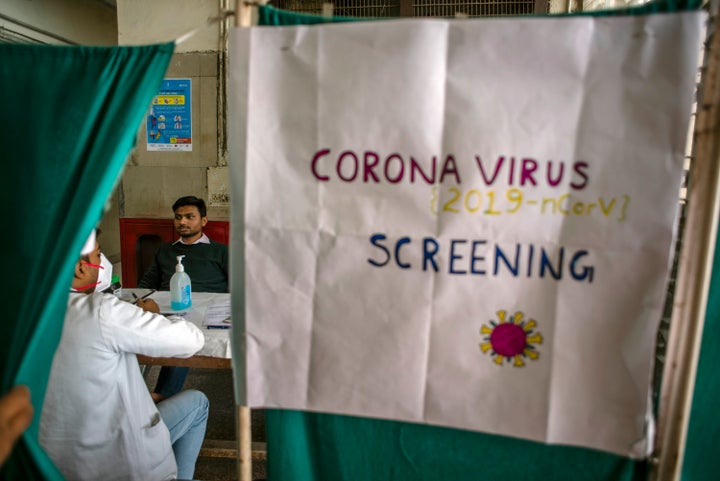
<point>511,339</point>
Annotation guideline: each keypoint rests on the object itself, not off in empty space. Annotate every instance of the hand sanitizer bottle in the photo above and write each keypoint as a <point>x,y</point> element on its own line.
<point>180,287</point>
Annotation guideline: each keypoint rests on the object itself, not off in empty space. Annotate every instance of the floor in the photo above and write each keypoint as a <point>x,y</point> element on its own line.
<point>217,384</point>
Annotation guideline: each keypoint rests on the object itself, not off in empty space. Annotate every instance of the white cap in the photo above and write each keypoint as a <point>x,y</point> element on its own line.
<point>89,244</point>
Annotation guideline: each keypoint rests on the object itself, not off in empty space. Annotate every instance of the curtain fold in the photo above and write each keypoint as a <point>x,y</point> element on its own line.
<point>69,120</point>
<point>704,427</point>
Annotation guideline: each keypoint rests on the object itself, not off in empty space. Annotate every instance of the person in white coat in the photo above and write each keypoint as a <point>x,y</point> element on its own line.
<point>98,420</point>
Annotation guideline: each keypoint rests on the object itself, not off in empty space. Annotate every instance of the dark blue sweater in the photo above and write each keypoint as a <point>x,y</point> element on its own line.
<point>206,264</point>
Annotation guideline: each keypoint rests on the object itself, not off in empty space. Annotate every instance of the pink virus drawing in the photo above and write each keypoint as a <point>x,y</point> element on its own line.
<point>511,339</point>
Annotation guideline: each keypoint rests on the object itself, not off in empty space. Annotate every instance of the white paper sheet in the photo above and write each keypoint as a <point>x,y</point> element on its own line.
<point>218,315</point>
<point>463,223</point>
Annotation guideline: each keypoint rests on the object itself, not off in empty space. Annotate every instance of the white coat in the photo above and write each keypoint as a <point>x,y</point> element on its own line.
<point>98,420</point>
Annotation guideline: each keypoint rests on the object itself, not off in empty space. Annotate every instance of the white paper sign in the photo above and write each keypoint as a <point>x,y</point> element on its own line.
<point>462,223</point>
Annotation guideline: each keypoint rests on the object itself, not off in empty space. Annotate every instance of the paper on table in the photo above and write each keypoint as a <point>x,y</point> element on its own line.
<point>217,315</point>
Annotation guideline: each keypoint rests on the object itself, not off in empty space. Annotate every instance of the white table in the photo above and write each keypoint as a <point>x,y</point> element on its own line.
<point>216,353</point>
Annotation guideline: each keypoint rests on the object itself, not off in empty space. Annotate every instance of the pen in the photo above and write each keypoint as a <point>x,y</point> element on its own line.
<point>143,297</point>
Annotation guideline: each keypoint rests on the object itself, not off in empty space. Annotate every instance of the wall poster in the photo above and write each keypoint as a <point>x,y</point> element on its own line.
<point>169,122</point>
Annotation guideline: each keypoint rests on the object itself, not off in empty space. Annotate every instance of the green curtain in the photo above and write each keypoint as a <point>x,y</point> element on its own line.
<point>312,446</point>
<point>68,120</point>
<point>704,428</point>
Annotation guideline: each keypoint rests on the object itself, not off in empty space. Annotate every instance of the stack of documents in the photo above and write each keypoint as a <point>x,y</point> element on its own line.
<point>217,315</point>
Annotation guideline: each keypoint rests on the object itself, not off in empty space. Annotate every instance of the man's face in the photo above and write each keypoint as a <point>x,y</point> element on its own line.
<point>91,273</point>
<point>188,222</point>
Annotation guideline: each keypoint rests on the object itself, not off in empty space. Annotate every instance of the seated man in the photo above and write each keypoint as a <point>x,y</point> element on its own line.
<point>98,420</point>
<point>206,262</point>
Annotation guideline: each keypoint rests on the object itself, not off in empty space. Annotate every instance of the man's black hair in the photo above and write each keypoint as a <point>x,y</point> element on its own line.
<point>191,200</point>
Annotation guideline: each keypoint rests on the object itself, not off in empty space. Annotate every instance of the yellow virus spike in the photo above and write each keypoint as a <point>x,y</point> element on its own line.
<point>485,330</point>
<point>530,324</point>
<point>518,317</point>
<point>501,316</point>
<point>534,339</point>
<point>485,346</point>
<point>518,362</point>
<point>499,360</point>
<point>531,354</point>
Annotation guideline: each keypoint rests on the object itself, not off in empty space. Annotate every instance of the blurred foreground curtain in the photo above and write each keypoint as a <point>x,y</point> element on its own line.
<point>69,120</point>
<point>704,427</point>
<point>311,446</point>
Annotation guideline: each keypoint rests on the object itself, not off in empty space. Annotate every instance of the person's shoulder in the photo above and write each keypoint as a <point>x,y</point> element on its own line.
<point>116,306</point>
<point>94,298</point>
<point>79,301</point>
<point>109,300</point>
<point>217,244</point>
<point>89,305</point>
<point>219,248</point>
